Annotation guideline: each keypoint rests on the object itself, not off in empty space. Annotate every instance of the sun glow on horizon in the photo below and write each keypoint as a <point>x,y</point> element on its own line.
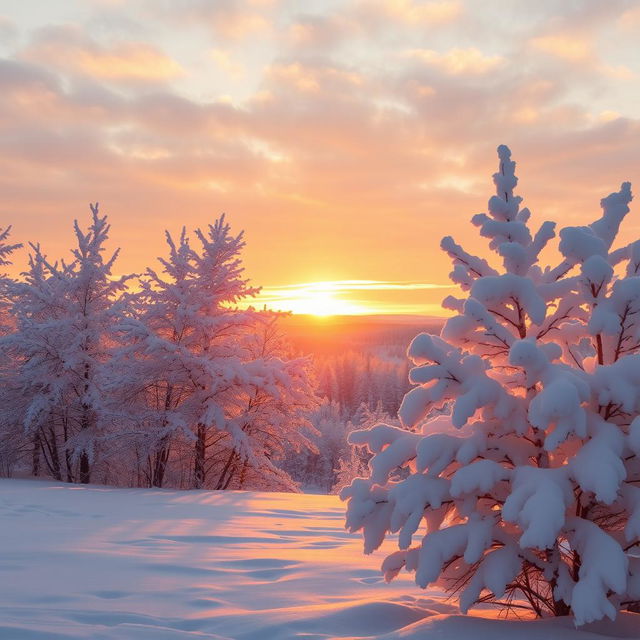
<point>323,304</point>
<point>344,298</point>
<point>320,299</point>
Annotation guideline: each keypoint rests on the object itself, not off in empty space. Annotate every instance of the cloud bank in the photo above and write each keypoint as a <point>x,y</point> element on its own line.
<point>345,137</point>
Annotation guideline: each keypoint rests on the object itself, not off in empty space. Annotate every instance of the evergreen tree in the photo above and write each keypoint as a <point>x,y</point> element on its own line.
<point>521,437</point>
<point>63,315</point>
<point>12,442</point>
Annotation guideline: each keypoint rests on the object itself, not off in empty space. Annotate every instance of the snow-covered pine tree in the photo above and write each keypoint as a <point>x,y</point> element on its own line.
<point>200,382</point>
<point>6,250</point>
<point>529,489</point>
<point>12,443</point>
<point>64,317</point>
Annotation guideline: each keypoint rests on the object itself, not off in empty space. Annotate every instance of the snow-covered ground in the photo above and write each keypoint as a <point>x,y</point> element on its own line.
<point>104,563</point>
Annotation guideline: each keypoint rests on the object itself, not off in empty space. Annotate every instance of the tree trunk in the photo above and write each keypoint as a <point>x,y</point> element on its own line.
<point>67,453</point>
<point>243,473</point>
<point>162,456</point>
<point>232,471</point>
<point>222,479</point>
<point>199,472</point>
<point>85,471</point>
<point>50,454</point>
<point>69,465</point>
<point>55,457</point>
<point>85,423</point>
<point>35,460</point>
<point>160,466</point>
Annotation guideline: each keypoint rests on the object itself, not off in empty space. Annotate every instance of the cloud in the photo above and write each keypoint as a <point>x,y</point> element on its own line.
<point>230,20</point>
<point>567,47</point>
<point>352,285</point>
<point>316,33</point>
<point>416,12</point>
<point>69,48</point>
<point>630,19</point>
<point>311,77</point>
<point>458,61</point>
<point>294,75</point>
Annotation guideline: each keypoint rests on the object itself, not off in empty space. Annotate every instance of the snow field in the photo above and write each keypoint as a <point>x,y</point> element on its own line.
<point>105,563</point>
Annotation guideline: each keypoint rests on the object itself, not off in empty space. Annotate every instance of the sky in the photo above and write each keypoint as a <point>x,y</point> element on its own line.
<point>344,137</point>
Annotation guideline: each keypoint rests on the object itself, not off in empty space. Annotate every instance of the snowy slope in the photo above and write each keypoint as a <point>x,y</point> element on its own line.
<point>105,563</point>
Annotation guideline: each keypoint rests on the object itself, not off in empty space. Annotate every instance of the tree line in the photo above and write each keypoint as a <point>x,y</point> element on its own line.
<point>156,379</point>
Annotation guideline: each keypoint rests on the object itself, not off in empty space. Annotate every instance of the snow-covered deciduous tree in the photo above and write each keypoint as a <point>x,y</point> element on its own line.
<point>527,487</point>
<point>64,315</point>
<point>274,419</point>
<point>202,380</point>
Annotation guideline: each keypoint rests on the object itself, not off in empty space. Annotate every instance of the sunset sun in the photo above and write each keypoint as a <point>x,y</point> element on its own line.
<point>321,299</point>
<point>319,303</point>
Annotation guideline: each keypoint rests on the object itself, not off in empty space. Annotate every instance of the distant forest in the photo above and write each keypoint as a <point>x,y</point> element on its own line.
<point>361,372</point>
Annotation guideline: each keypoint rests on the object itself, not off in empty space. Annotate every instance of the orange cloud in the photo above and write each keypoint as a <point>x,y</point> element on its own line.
<point>458,61</point>
<point>621,71</point>
<point>309,78</point>
<point>294,75</point>
<point>68,48</point>
<point>129,61</point>
<point>317,32</point>
<point>568,47</point>
<point>416,13</point>
<point>230,20</point>
<point>630,19</point>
